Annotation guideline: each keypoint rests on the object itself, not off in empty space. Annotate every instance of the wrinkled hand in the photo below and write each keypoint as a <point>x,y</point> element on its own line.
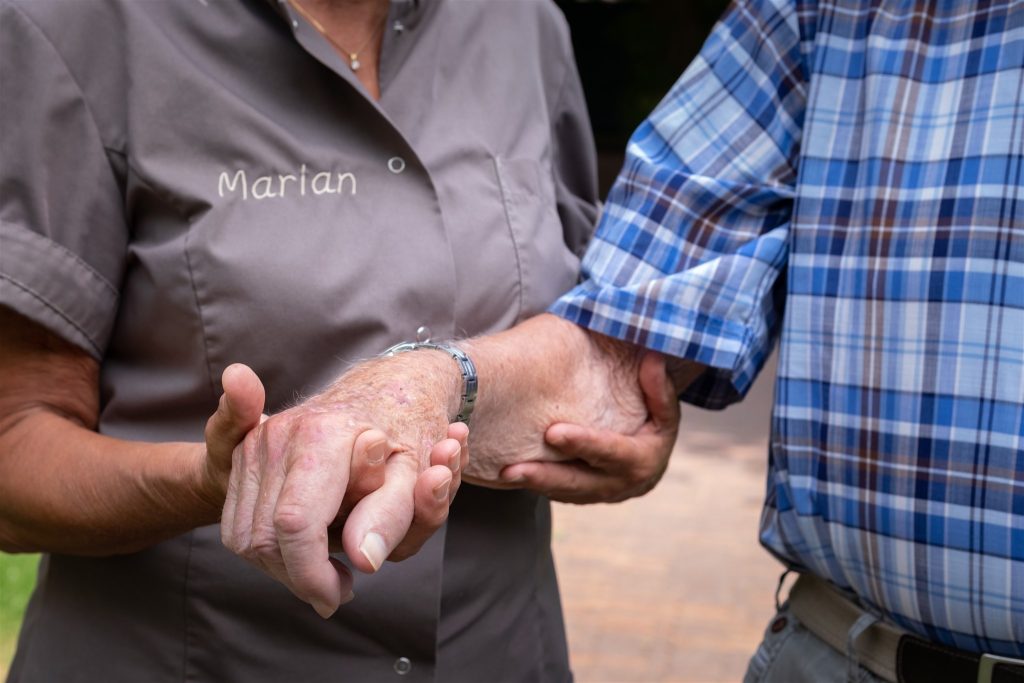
<point>609,467</point>
<point>323,476</point>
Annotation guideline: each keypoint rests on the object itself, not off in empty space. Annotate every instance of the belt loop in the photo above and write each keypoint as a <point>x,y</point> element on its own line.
<point>778,589</point>
<point>866,621</point>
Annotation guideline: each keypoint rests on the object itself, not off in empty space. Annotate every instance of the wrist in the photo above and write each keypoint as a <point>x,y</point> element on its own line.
<point>463,362</point>
<point>410,396</point>
<point>207,481</point>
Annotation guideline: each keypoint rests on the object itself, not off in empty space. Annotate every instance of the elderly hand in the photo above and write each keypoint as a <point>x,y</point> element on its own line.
<point>607,466</point>
<point>371,448</point>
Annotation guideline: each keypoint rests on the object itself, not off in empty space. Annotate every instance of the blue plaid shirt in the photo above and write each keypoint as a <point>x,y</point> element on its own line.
<point>848,177</point>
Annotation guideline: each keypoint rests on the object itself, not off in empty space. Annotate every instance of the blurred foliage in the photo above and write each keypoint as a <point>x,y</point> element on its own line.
<point>630,53</point>
<point>17,578</point>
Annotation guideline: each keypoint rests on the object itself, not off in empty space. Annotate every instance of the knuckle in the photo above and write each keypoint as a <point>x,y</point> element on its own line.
<point>291,520</point>
<point>263,549</point>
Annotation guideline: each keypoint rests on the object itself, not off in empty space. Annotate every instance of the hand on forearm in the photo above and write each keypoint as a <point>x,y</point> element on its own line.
<point>545,371</point>
<point>610,466</point>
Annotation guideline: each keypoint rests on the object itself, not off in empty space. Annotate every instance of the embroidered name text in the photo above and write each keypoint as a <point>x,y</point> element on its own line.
<point>278,185</point>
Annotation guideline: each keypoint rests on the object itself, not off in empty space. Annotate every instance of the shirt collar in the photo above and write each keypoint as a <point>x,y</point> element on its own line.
<point>407,10</point>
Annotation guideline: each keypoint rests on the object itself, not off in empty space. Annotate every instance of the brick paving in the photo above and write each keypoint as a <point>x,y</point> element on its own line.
<point>673,587</point>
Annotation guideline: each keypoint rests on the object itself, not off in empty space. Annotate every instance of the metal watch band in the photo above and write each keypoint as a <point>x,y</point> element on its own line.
<point>466,367</point>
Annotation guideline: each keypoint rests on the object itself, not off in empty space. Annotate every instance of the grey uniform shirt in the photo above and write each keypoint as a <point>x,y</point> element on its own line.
<point>190,183</point>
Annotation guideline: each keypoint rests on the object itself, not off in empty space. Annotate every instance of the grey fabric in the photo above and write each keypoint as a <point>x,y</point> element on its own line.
<point>790,653</point>
<point>191,183</point>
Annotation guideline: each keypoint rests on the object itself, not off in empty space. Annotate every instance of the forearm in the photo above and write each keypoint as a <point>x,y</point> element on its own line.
<point>543,371</point>
<point>64,488</point>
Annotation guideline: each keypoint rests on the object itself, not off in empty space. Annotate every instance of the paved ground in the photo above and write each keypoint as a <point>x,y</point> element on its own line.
<point>673,587</point>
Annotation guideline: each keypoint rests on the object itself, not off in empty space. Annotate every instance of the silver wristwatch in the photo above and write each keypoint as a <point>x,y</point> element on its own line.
<point>469,379</point>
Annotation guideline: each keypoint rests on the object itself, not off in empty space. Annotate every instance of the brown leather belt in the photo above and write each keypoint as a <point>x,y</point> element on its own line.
<point>887,651</point>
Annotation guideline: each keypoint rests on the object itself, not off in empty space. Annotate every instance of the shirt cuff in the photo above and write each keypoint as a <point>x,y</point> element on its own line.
<point>722,314</point>
<point>53,287</point>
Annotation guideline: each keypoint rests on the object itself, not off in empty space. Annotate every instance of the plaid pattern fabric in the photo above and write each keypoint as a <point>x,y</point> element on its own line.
<point>848,177</point>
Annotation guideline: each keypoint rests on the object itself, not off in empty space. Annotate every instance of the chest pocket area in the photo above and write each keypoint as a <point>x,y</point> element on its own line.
<point>547,266</point>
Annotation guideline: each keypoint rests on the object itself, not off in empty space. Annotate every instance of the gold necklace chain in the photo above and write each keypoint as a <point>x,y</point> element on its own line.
<point>353,56</point>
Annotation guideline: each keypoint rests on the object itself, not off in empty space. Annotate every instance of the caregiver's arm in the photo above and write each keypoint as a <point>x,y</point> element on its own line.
<point>64,488</point>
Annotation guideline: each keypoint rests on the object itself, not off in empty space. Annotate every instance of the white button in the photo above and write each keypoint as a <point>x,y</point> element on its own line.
<point>399,26</point>
<point>396,164</point>
<point>422,333</point>
<point>295,24</point>
<point>403,666</point>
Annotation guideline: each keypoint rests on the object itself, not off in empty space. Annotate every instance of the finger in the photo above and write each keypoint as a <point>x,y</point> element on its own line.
<point>310,497</point>
<point>566,482</point>
<point>381,520</point>
<point>227,516</point>
<point>460,432</point>
<point>238,410</point>
<point>452,453</point>
<point>659,393</point>
<point>431,499</point>
<point>599,448</point>
<point>245,473</point>
<point>369,454</point>
<point>275,448</point>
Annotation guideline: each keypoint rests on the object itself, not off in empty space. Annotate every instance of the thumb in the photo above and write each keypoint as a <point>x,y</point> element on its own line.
<point>239,410</point>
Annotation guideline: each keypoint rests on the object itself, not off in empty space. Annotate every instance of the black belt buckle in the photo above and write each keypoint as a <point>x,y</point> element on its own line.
<point>921,661</point>
<point>987,666</point>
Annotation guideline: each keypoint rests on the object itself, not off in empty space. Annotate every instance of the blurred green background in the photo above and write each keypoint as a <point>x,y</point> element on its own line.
<point>629,53</point>
<point>17,577</point>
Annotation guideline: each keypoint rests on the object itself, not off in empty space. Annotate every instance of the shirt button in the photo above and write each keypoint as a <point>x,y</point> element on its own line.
<point>422,333</point>
<point>396,164</point>
<point>295,24</point>
<point>399,26</point>
<point>403,666</point>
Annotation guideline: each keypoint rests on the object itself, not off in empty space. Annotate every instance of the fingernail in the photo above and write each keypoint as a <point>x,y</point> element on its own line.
<point>323,609</point>
<point>556,437</point>
<point>441,490</point>
<point>378,452</point>
<point>374,549</point>
<point>510,477</point>
<point>348,598</point>
<point>453,461</point>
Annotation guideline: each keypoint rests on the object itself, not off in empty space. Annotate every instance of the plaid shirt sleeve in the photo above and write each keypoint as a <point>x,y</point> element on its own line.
<point>690,250</point>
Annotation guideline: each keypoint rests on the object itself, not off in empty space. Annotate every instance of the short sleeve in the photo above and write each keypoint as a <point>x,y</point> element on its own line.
<point>63,234</point>
<point>574,162</point>
<point>691,247</point>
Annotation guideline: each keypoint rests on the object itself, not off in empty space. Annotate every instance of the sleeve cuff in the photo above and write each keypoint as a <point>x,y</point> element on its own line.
<point>50,285</point>
<point>722,314</point>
